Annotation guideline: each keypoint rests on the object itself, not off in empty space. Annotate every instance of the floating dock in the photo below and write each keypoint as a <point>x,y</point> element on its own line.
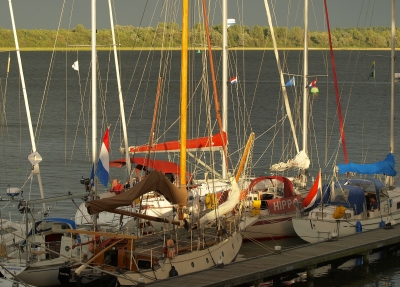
<point>304,258</point>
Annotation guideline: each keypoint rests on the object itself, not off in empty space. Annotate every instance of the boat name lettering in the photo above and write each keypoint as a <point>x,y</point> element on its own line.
<point>283,204</point>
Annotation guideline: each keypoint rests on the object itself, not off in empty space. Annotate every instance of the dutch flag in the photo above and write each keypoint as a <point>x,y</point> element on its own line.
<point>233,80</point>
<point>103,166</point>
<point>314,193</point>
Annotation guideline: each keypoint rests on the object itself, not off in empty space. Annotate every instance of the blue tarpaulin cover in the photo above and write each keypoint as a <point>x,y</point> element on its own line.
<point>381,167</point>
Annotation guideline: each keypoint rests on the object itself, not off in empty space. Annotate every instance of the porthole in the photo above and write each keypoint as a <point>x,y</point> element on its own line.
<point>192,264</point>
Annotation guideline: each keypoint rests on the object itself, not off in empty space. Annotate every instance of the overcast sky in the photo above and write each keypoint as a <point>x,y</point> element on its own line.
<point>47,14</point>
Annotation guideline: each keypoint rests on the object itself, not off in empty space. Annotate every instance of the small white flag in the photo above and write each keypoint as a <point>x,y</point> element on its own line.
<point>76,66</point>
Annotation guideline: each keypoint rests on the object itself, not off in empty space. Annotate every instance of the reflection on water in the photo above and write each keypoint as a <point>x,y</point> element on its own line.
<point>382,270</point>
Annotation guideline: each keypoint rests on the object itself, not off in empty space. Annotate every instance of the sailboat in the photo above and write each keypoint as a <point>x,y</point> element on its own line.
<point>272,201</point>
<point>45,245</point>
<point>191,241</point>
<point>346,206</point>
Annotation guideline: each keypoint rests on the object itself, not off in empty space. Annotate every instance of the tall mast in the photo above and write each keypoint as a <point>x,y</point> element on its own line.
<point>339,109</point>
<point>284,92</point>
<point>393,59</point>
<point>305,75</point>
<point>184,88</point>
<point>35,157</point>
<point>94,98</point>
<point>121,100</point>
<point>224,78</point>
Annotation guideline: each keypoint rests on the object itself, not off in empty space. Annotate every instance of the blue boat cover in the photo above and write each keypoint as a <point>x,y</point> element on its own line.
<point>381,167</point>
<point>356,193</point>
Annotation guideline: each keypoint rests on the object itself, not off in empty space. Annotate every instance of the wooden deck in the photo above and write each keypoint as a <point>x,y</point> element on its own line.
<point>301,258</point>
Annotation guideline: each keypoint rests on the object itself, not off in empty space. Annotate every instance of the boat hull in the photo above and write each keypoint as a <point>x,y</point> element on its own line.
<point>41,276</point>
<point>317,230</point>
<point>268,227</point>
<point>224,252</point>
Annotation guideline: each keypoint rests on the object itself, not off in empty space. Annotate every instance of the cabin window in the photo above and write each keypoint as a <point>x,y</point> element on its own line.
<point>206,259</point>
<point>144,264</point>
<point>398,205</point>
<point>192,264</point>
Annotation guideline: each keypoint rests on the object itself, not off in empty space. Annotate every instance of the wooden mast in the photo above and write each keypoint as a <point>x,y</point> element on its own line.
<point>214,82</point>
<point>183,94</point>
<point>153,123</point>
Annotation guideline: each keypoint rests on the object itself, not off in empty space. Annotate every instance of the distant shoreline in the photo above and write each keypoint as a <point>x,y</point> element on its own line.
<point>3,49</point>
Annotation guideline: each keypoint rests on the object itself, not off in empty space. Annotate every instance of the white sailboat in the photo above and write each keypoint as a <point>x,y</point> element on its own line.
<point>345,206</point>
<point>46,246</point>
<point>272,201</point>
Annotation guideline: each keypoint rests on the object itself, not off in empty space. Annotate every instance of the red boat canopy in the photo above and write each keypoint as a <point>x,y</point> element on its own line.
<point>216,142</point>
<point>288,189</point>
<point>154,164</point>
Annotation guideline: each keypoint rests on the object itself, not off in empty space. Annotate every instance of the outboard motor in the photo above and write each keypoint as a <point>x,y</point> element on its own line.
<point>64,275</point>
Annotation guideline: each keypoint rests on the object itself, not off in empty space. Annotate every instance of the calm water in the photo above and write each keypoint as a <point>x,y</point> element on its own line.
<point>59,101</point>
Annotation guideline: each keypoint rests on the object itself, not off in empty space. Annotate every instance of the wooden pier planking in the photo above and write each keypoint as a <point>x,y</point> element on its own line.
<point>298,258</point>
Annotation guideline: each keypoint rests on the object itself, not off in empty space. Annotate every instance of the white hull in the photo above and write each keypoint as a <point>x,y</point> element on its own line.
<point>4,282</point>
<point>333,221</point>
<point>39,276</point>
<point>224,252</point>
<point>316,230</point>
<point>268,227</point>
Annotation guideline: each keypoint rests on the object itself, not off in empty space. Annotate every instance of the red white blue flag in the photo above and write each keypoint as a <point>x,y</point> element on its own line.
<point>233,80</point>
<point>313,83</point>
<point>313,194</point>
<point>103,166</point>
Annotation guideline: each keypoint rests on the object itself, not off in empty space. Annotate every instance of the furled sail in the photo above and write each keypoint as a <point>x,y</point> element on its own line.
<point>301,160</point>
<point>227,206</point>
<point>381,167</point>
<point>216,142</point>
<point>155,181</point>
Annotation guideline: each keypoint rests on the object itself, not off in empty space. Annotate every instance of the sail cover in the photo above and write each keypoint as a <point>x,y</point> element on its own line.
<point>155,164</point>
<point>216,142</point>
<point>381,167</point>
<point>155,181</point>
<point>301,160</point>
<point>227,206</point>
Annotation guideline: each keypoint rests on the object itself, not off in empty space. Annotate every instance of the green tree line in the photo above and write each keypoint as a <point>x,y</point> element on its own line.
<point>168,35</point>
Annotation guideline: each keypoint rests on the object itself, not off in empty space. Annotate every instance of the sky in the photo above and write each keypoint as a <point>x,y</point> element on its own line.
<point>51,14</point>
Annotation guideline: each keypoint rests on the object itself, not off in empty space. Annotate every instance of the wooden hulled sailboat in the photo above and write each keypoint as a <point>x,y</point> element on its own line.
<point>191,242</point>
